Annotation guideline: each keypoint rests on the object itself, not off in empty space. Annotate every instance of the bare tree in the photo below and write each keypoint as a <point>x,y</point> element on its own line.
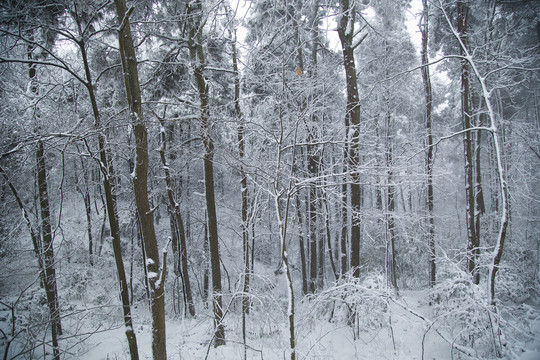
<point>197,57</point>
<point>428,96</point>
<point>156,275</point>
<point>352,123</point>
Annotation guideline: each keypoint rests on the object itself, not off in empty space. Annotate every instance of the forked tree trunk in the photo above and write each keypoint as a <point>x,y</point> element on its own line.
<point>36,241</point>
<point>109,184</point>
<point>156,275</point>
<point>500,168</point>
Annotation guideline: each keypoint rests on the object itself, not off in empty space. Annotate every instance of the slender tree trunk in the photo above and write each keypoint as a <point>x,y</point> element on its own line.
<point>282,217</point>
<point>428,95</point>
<point>346,33</point>
<point>344,211</point>
<point>329,237</point>
<point>472,246</point>
<point>206,273</point>
<point>390,204</point>
<point>198,59</point>
<point>88,209</point>
<point>178,222</point>
<point>312,219</point>
<point>48,250</point>
<point>109,184</point>
<point>478,192</point>
<point>244,193</point>
<point>47,247</point>
<point>301,244</point>
<point>156,276</point>
<point>36,241</point>
<point>501,170</point>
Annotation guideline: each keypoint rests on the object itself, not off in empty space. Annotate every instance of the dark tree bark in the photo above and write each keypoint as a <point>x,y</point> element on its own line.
<point>109,184</point>
<point>478,191</point>
<point>177,229</point>
<point>428,96</point>
<point>301,244</point>
<point>36,241</point>
<point>346,33</point>
<point>466,108</point>
<point>47,246</point>
<point>197,57</point>
<point>84,191</point>
<point>390,204</point>
<point>156,275</point>
<point>244,193</point>
<point>48,250</point>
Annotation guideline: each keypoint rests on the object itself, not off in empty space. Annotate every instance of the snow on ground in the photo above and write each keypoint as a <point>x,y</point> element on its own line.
<point>267,339</point>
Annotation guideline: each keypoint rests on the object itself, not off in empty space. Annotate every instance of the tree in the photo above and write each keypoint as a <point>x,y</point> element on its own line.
<point>493,130</point>
<point>428,96</point>
<point>155,274</point>
<point>352,123</point>
<point>109,179</point>
<point>178,233</point>
<point>194,12</point>
<point>466,112</point>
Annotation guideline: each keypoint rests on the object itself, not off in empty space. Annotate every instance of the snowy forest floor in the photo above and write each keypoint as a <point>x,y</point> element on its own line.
<point>457,325</point>
<point>408,337</point>
<point>389,327</point>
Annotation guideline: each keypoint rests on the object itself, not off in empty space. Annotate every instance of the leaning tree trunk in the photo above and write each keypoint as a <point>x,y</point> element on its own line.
<point>197,57</point>
<point>107,171</point>
<point>156,275</point>
<point>500,169</point>
<point>36,241</point>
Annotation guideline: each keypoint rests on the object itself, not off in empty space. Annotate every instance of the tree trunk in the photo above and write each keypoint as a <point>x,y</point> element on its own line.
<point>495,137</point>
<point>156,276</point>
<point>244,194</point>
<point>47,247</point>
<point>390,205</point>
<point>36,241</point>
<point>478,192</point>
<point>197,57</point>
<point>428,95</point>
<point>48,250</point>
<point>109,184</point>
<point>282,218</point>
<point>346,33</point>
<point>472,246</point>
<point>178,223</point>
<point>301,245</point>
